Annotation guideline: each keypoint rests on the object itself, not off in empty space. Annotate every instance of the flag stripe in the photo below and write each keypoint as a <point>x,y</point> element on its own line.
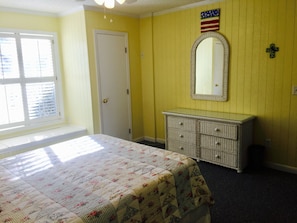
<point>216,21</point>
<point>210,29</point>
<point>210,26</point>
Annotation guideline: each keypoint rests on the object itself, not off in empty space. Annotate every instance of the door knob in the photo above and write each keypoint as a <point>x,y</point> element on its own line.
<point>105,100</point>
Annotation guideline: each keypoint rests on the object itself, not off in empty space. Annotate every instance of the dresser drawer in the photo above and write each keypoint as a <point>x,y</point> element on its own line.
<point>185,124</point>
<point>219,129</point>
<point>220,144</point>
<point>215,137</point>
<point>182,136</point>
<point>182,147</point>
<point>219,157</point>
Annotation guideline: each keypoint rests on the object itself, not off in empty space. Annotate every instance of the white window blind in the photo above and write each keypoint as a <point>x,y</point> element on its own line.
<point>28,80</point>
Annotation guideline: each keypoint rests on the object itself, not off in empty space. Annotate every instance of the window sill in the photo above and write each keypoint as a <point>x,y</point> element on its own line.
<point>24,143</point>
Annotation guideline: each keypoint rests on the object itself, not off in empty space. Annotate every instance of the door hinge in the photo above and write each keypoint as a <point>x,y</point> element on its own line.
<point>129,131</point>
<point>125,49</point>
<point>128,92</point>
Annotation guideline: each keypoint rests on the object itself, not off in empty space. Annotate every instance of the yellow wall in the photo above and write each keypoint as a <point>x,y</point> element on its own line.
<point>96,21</point>
<point>12,20</point>
<point>258,85</point>
<point>147,71</point>
<point>76,78</point>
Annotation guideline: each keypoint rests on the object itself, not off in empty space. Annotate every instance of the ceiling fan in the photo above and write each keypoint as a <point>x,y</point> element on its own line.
<point>131,1</point>
<point>111,3</point>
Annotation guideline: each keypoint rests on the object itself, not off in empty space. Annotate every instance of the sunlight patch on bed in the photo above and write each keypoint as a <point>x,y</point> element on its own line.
<point>39,160</point>
<point>78,147</point>
<point>31,163</point>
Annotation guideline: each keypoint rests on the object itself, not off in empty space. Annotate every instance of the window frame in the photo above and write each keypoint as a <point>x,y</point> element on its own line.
<point>49,121</point>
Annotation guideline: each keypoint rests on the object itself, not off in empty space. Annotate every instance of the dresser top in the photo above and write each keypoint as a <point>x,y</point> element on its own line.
<point>220,116</point>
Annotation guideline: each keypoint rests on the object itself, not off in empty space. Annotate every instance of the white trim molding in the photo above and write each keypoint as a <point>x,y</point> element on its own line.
<point>281,167</point>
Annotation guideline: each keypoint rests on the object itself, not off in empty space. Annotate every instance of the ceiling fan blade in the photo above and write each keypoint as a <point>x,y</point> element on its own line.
<point>99,2</point>
<point>130,1</point>
<point>120,1</point>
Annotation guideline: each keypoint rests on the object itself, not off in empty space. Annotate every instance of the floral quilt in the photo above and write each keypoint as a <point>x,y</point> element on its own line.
<point>99,178</point>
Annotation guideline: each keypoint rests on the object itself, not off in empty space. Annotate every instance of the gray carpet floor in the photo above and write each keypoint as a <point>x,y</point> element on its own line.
<point>254,196</point>
<point>259,195</point>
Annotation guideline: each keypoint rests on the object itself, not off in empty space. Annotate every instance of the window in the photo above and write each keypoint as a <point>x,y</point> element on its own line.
<point>29,83</point>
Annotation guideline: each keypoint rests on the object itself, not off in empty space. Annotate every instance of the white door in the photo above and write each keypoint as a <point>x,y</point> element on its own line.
<point>114,83</point>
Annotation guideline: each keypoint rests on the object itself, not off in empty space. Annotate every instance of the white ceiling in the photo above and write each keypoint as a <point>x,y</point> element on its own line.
<point>60,7</point>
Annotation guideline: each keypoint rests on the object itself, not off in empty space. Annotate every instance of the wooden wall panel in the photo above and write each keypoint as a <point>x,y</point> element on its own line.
<point>77,89</point>
<point>258,85</point>
<point>147,78</point>
<point>292,117</point>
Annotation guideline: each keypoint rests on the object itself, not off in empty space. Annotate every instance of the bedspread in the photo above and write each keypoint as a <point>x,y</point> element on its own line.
<point>100,178</point>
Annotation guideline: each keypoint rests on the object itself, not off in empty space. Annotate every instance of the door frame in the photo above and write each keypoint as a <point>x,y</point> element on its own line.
<point>98,77</point>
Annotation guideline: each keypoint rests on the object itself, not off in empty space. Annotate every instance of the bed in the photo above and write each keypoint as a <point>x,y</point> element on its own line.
<point>99,178</point>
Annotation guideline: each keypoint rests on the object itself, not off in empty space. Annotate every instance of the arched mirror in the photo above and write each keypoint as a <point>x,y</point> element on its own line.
<point>209,67</point>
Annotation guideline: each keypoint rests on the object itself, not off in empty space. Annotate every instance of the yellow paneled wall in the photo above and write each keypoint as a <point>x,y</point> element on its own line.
<point>147,70</point>
<point>76,78</point>
<point>258,85</point>
<point>12,20</point>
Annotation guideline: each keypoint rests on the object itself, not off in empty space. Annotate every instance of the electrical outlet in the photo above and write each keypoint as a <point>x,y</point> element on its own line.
<point>294,90</point>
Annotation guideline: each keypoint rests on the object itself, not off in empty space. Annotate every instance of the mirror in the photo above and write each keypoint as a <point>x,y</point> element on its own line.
<point>209,67</point>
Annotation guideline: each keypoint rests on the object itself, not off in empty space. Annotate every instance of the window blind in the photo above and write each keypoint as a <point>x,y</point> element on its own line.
<point>28,80</point>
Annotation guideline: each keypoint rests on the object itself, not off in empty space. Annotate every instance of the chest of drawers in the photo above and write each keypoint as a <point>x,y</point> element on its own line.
<point>182,135</point>
<point>215,137</point>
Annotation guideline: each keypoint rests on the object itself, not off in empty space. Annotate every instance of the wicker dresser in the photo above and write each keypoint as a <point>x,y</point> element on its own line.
<point>216,137</point>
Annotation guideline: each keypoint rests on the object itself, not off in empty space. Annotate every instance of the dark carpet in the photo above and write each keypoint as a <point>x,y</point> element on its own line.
<point>154,144</point>
<point>254,196</point>
<point>259,195</point>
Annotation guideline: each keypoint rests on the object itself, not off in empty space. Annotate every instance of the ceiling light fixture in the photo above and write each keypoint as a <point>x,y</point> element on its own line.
<point>109,3</point>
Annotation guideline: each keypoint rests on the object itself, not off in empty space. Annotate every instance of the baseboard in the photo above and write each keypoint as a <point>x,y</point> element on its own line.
<point>150,139</point>
<point>281,167</point>
<point>161,141</point>
<point>158,140</point>
<point>138,139</point>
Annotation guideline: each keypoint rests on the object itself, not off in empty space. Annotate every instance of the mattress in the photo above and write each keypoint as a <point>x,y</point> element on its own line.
<point>99,178</point>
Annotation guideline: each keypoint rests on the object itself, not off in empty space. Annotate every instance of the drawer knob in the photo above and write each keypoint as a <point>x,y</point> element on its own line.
<point>181,136</point>
<point>217,143</point>
<point>217,129</point>
<point>181,123</point>
<point>181,148</point>
<point>217,156</point>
